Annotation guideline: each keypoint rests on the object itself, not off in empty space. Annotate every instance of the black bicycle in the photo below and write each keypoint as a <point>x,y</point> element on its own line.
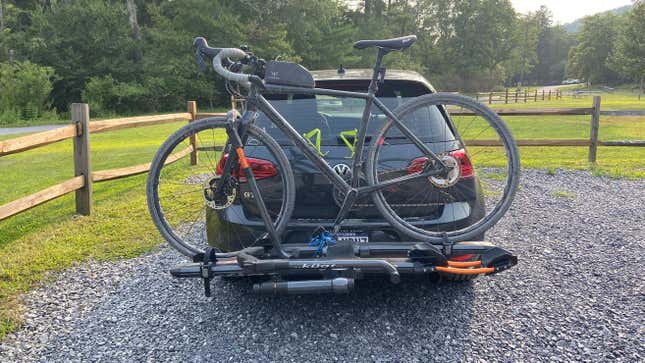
<point>472,152</point>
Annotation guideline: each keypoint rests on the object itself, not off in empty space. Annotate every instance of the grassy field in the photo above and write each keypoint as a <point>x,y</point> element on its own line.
<point>51,238</point>
<point>611,161</point>
<point>609,101</point>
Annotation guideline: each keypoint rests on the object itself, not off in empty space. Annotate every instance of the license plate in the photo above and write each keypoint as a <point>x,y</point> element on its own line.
<point>353,236</point>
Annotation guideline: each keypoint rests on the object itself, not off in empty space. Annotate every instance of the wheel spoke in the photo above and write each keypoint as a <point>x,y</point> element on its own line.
<point>455,205</point>
<point>183,208</point>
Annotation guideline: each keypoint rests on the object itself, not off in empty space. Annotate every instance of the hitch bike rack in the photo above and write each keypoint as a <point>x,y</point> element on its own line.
<point>345,262</point>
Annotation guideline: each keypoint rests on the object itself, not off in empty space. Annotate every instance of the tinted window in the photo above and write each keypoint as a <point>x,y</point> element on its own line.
<point>333,115</point>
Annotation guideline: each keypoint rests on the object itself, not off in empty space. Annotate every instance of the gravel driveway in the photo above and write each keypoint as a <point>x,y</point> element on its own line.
<point>577,294</point>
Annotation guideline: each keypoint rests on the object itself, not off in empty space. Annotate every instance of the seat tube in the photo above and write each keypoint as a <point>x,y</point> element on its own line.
<point>372,90</point>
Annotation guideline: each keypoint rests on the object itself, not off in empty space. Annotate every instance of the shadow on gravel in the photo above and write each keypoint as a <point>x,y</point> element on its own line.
<point>416,319</point>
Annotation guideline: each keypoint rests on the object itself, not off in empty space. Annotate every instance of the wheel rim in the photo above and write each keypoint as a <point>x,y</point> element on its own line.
<point>474,137</point>
<point>189,214</point>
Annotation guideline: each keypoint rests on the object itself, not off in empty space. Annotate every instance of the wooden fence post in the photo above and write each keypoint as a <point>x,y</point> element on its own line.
<point>549,95</point>
<point>542,95</point>
<point>192,110</point>
<point>490,97</point>
<point>595,123</point>
<point>506,97</point>
<point>82,165</point>
<point>526,94</point>
<point>516,94</point>
<point>535,97</point>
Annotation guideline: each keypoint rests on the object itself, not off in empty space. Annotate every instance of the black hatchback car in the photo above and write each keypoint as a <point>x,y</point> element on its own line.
<point>330,123</point>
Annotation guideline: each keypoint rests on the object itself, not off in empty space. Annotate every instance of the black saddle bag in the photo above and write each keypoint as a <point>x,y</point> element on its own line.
<point>288,74</point>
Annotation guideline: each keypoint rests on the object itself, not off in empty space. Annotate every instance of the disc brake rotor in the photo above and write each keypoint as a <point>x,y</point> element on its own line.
<point>220,199</point>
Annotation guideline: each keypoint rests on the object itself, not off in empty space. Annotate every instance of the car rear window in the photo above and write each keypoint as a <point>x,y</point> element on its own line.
<point>334,115</point>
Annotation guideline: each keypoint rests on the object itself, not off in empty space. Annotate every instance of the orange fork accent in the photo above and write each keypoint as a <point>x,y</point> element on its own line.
<point>242,158</point>
<point>465,271</point>
<point>464,264</point>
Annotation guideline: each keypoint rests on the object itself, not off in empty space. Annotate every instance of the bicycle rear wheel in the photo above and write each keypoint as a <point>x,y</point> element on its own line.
<point>462,204</point>
<point>189,210</point>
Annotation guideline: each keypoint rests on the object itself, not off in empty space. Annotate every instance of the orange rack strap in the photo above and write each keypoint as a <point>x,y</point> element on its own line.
<point>240,156</point>
<point>464,264</point>
<point>465,271</point>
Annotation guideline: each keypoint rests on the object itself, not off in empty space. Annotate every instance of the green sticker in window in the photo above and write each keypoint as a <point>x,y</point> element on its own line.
<point>316,145</point>
<point>344,136</point>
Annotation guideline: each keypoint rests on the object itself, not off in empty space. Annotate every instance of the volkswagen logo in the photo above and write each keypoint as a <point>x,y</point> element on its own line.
<point>343,170</point>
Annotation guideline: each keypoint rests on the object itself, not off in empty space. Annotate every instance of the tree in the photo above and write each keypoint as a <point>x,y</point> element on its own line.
<point>474,39</point>
<point>551,49</point>
<point>80,40</point>
<point>25,88</point>
<point>132,17</point>
<point>590,58</point>
<point>629,53</point>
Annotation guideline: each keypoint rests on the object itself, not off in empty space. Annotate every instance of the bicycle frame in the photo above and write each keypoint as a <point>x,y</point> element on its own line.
<point>256,102</point>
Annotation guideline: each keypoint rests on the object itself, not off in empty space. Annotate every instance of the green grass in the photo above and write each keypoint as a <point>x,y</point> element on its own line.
<point>628,162</point>
<point>51,238</point>
<point>619,100</point>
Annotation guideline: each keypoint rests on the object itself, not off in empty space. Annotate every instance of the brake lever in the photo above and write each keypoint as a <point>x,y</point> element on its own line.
<point>199,44</point>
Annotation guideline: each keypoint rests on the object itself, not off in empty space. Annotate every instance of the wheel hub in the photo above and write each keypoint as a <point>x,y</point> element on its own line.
<point>451,177</point>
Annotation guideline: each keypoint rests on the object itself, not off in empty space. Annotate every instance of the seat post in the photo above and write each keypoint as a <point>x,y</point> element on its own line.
<point>373,88</point>
<point>360,137</point>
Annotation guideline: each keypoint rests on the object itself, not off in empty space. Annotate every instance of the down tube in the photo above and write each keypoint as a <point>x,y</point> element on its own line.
<point>406,131</point>
<point>293,135</point>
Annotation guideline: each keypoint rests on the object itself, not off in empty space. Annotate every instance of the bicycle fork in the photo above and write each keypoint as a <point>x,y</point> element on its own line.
<point>236,144</point>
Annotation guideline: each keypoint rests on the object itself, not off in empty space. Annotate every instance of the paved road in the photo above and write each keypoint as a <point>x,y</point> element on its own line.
<point>576,295</point>
<point>554,88</point>
<point>29,129</point>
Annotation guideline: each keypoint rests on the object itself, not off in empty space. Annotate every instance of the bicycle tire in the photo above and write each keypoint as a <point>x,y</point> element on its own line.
<point>480,227</point>
<point>154,205</point>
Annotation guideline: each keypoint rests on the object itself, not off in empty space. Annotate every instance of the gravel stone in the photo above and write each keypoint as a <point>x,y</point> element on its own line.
<point>577,294</point>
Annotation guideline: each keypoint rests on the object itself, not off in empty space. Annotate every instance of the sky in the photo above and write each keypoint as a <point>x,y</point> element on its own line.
<point>565,11</point>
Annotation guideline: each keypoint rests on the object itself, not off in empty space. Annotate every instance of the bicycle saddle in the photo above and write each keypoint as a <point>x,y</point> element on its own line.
<point>399,43</point>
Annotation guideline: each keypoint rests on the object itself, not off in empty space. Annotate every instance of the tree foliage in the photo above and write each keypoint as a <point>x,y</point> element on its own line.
<point>25,88</point>
<point>628,58</point>
<point>133,56</point>
<point>589,60</point>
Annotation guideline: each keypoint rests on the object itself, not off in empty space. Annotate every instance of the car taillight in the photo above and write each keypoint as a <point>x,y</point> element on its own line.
<point>262,169</point>
<point>416,165</point>
<point>467,170</point>
<point>465,165</point>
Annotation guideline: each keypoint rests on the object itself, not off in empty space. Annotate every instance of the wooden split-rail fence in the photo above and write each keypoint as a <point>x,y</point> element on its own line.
<point>81,127</point>
<point>79,130</point>
<point>518,96</point>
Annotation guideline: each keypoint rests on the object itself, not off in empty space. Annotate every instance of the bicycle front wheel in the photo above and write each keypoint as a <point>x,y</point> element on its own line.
<point>461,204</point>
<point>183,196</point>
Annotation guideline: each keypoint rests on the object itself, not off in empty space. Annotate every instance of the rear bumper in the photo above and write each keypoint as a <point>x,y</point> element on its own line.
<point>458,214</point>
